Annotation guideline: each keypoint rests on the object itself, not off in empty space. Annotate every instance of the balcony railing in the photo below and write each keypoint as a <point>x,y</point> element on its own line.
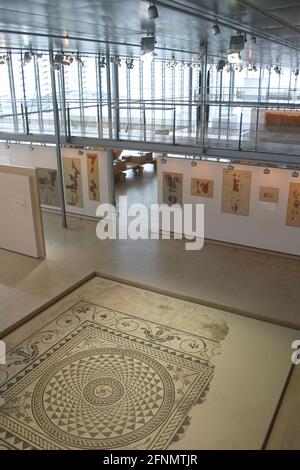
<point>228,125</point>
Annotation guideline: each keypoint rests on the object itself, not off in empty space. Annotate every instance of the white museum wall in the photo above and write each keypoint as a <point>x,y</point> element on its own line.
<point>264,228</point>
<point>21,227</point>
<point>45,157</point>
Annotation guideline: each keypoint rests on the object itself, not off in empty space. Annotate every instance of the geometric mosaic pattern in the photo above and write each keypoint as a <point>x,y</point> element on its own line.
<point>95,378</point>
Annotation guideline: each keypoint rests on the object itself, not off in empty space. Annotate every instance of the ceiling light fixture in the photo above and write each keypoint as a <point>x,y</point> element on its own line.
<point>152,11</point>
<point>68,59</point>
<point>79,60</point>
<point>4,59</point>
<point>129,64</point>
<point>102,62</point>
<point>195,65</point>
<point>163,159</point>
<point>251,67</point>
<point>147,44</point>
<point>237,43</point>
<point>27,57</point>
<point>116,60</point>
<point>172,63</point>
<point>61,60</point>
<point>277,70</point>
<point>221,64</point>
<point>215,29</point>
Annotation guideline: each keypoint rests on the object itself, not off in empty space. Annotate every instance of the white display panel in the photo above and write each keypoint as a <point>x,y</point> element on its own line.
<point>20,226</point>
<point>265,226</point>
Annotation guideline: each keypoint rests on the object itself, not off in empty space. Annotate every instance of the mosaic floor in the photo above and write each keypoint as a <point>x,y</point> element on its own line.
<point>86,374</point>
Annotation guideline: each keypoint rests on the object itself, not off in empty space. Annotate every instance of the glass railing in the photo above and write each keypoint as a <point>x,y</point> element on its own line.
<point>227,125</point>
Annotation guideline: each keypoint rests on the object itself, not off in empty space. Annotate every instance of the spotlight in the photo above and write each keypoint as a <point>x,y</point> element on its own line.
<point>59,58</point>
<point>296,72</point>
<point>277,70</point>
<point>193,162</point>
<point>79,60</point>
<point>129,63</point>
<point>116,60</point>
<point>186,65</point>
<point>230,167</point>
<point>31,148</point>
<point>152,11</point>
<point>266,171</point>
<point>163,159</point>
<point>295,174</point>
<point>68,60</point>
<point>195,65</point>
<point>147,44</point>
<point>4,59</point>
<point>237,43</point>
<point>80,152</point>
<point>172,63</point>
<point>102,62</point>
<point>221,65</point>
<point>27,57</point>
<point>215,29</point>
<point>6,146</point>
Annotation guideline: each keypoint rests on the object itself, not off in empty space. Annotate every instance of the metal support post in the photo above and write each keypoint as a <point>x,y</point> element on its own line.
<point>58,146</point>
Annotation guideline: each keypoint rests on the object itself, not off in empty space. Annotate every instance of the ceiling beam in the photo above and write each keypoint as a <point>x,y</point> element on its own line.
<point>270,16</point>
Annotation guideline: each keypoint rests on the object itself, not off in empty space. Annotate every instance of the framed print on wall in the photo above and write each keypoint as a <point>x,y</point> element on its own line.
<point>293,209</point>
<point>73,181</point>
<point>48,186</point>
<point>93,176</point>
<point>236,192</point>
<point>267,194</point>
<point>202,187</point>
<point>172,188</point>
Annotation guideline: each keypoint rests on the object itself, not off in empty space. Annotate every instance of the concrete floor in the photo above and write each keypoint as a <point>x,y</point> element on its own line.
<point>242,281</point>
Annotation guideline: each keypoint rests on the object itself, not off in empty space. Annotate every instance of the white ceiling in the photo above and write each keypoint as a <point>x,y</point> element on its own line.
<point>181,26</point>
